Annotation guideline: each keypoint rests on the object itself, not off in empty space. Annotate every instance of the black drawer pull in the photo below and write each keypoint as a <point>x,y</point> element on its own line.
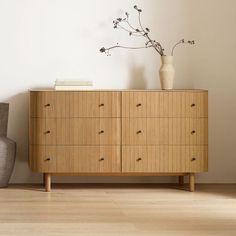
<point>102,159</point>
<point>193,132</point>
<point>101,132</point>
<point>48,159</point>
<point>101,105</point>
<point>47,132</point>
<point>139,105</point>
<point>48,105</point>
<point>139,159</point>
<point>139,131</point>
<point>193,105</point>
<point>193,159</point>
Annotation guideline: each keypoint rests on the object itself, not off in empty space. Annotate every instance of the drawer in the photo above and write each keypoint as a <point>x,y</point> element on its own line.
<point>74,104</point>
<point>165,104</point>
<point>95,104</point>
<point>75,159</point>
<point>75,131</point>
<point>164,131</point>
<point>164,159</point>
<point>49,104</point>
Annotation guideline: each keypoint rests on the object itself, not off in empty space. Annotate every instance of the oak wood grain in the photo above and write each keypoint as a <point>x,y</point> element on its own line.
<point>119,132</point>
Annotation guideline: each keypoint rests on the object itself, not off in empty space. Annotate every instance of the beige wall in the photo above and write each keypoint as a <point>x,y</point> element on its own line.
<point>44,40</point>
<point>214,67</point>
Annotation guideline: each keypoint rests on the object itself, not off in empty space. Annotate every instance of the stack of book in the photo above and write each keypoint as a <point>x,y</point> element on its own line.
<point>73,85</point>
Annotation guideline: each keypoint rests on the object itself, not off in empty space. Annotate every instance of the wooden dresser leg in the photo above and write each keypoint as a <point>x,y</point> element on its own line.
<point>191,182</point>
<point>47,182</point>
<point>181,180</point>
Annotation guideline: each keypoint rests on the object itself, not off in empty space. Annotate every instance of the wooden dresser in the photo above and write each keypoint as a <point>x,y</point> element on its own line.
<point>119,133</point>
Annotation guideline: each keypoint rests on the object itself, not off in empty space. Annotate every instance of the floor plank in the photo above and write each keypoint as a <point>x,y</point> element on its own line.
<point>118,209</point>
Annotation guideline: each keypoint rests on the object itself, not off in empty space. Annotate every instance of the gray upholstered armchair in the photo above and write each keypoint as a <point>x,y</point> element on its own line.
<point>7,148</point>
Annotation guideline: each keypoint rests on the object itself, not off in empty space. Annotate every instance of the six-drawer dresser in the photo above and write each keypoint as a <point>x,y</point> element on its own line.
<point>119,133</point>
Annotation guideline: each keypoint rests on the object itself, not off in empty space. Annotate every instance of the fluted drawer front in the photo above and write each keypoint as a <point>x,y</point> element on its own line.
<point>165,104</point>
<point>134,131</point>
<point>75,131</point>
<point>164,131</point>
<point>75,159</point>
<point>55,104</point>
<point>49,104</point>
<point>90,131</point>
<point>164,159</point>
<point>95,104</point>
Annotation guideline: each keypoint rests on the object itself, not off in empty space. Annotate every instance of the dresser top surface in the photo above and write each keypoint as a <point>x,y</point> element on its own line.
<point>118,90</point>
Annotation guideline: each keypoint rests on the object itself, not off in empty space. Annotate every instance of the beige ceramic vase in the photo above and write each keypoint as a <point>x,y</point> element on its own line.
<point>167,72</point>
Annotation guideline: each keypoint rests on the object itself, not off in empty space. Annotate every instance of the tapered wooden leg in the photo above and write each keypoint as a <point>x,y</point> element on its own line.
<point>181,180</point>
<point>191,182</point>
<point>47,182</point>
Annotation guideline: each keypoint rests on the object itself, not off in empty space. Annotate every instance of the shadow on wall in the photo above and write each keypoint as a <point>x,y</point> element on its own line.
<point>137,78</point>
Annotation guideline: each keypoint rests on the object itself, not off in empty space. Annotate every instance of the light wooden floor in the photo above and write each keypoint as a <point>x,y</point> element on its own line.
<point>118,210</point>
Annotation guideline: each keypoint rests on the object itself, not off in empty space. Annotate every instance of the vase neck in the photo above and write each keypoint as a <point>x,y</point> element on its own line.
<point>167,59</point>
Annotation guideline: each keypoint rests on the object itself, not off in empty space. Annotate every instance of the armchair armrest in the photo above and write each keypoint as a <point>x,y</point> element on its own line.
<point>7,159</point>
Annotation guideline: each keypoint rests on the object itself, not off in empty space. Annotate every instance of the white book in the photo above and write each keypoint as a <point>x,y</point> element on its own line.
<point>72,88</point>
<point>73,83</point>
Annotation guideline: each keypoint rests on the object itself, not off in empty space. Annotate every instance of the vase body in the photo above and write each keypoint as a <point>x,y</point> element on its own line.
<point>167,72</point>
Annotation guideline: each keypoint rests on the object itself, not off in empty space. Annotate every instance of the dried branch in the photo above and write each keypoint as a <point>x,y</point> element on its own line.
<point>124,24</point>
<point>132,28</point>
<point>107,50</point>
<point>182,41</point>
<point>157,46</point>
<point>139,17</point>
<point>133,31</point>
